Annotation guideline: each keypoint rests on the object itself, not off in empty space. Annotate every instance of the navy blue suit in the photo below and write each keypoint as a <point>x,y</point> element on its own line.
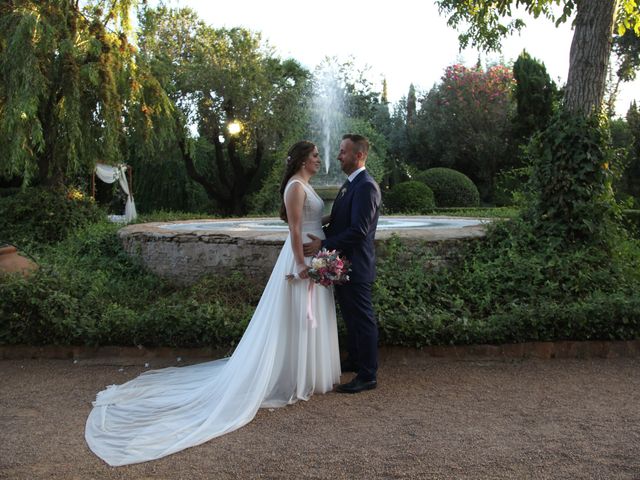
<point>354,219</point>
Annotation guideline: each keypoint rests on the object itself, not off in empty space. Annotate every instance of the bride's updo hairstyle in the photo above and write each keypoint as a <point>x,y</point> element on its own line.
<point>296,156</point>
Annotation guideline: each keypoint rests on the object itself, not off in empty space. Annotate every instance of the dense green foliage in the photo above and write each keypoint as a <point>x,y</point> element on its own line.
<point>631,221</point>
<point>511,287</point>
<point>73,91</point>
<point>215,77</point>
<point>450,188</point>
<point>511,186</point>
<point>165,185</point>
<point>463,123</point>
<point>630,182</point>
<point>44,216</point>
<point>572,176</point>
<point>627,50</point>
<point>88,291</point>
<point>409,197</point>
<point>537,97</point>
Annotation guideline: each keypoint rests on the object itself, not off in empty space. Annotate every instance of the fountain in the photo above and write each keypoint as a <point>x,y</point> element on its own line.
<point>184,251</point>
<point>393,224</point>
<point>327,130</point>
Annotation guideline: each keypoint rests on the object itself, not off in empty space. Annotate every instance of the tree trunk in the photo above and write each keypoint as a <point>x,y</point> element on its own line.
<point>589,56</point>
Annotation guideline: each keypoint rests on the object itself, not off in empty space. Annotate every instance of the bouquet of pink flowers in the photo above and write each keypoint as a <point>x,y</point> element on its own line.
<point>327,268</point>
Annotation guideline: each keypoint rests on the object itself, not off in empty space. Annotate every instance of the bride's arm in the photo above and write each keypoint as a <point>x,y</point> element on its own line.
<point>293,202</point>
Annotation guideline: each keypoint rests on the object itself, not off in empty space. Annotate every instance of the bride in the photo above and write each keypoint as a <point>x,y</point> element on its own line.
<point>280,359</point>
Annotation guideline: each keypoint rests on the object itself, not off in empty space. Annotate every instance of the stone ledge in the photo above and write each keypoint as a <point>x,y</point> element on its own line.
<point>541,350</point>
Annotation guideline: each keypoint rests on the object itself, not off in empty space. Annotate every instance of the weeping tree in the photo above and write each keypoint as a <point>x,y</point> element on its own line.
<point>571,176</point>
<point>70,89</point>
<point>216,77</point>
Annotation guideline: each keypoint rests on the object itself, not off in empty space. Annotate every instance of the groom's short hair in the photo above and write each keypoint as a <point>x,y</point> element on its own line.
<point>360,142</point>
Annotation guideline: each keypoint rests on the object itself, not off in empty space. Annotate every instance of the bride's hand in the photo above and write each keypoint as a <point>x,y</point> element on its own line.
<point>302,270</point>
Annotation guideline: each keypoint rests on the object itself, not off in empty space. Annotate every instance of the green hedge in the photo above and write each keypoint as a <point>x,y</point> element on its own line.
<point>450,187</point>
<point>512,286</point>
<point>409,197</point>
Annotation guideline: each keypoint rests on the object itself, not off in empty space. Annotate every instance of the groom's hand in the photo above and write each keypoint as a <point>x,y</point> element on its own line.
<point>312,247</point>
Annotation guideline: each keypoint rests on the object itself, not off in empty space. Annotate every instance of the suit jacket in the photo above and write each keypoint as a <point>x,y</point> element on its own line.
<point>354,219</point>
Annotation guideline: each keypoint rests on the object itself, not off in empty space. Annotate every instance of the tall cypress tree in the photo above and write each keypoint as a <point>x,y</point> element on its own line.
<point>411,106</point>
<point>535,94</point>
<point>384,98</point>
<point>632,172</point>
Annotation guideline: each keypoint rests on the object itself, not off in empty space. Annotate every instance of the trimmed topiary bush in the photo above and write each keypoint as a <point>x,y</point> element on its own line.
<point>409,197</point>
<point>450,187</point>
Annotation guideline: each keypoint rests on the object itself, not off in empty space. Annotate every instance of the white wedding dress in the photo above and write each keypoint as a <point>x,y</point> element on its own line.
<point>280,359</point>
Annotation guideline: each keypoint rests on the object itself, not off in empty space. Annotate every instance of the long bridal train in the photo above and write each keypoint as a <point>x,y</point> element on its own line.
<point>279,360</point>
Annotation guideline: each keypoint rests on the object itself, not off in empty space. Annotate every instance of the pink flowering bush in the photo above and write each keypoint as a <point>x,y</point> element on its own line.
<point>465,122</point>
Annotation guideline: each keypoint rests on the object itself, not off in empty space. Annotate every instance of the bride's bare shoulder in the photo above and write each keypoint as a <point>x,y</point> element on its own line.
<point>295,188</point>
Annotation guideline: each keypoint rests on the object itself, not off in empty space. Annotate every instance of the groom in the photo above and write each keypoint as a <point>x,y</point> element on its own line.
<point>352,227</point>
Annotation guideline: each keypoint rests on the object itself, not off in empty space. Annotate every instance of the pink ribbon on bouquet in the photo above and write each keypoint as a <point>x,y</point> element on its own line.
<point>310,316</point>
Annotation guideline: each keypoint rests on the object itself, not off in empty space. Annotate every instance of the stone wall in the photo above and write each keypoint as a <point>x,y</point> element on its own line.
<point>182,257</point>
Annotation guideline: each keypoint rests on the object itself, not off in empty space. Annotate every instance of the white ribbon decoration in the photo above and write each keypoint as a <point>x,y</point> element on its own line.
<point>110,174</point>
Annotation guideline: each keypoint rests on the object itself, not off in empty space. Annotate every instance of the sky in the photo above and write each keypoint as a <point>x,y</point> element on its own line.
<point>403,41</point>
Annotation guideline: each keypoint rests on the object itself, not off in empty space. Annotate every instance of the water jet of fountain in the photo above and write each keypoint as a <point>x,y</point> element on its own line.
<point>327,127</point>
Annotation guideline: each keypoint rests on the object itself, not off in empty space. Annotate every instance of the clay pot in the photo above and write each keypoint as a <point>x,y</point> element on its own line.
<point>12,262</point>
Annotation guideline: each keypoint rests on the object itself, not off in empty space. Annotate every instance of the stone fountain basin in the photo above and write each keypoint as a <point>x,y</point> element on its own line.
<point>184,251</point>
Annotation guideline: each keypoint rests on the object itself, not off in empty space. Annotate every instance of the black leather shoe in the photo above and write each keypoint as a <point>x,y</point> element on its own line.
<point>356,386</point>
<point>348,366</point>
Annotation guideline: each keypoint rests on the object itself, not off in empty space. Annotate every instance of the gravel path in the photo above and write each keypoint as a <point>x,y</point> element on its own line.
<point>434,418</point>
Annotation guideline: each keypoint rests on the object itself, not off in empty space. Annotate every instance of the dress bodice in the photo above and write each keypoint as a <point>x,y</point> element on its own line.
<point>312,209</point>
